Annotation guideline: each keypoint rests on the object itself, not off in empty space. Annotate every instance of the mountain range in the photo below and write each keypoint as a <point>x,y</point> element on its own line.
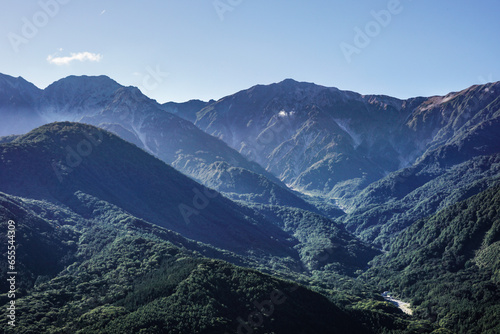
<point>135,205</point>
<point>127,112</point>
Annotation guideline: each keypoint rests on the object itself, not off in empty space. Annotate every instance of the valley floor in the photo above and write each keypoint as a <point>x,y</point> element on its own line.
<point>403,306</point>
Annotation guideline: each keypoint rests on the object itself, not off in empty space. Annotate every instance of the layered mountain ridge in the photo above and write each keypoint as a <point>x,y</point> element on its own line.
<point>67,163</point>
<point>138,119</point>
<point>376,157</point>
<point>83,201</point>
<point>337,149</point>
<point>388,194</point>
<point>319,139</point>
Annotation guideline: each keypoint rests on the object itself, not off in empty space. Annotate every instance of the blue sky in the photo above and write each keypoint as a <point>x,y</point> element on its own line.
<point>176,50</point>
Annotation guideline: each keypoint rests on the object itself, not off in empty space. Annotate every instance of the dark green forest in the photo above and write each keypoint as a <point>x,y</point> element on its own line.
<point>118,274</point>
<point>448,265</point>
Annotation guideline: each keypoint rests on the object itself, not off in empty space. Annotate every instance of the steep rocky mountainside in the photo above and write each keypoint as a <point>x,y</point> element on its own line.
<point>18,100</point>
<point>385,162</point>
<point>331,142</point>
<point>127,112</point>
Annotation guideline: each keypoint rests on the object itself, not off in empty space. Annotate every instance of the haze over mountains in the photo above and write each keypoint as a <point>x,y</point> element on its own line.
<point>317,138</point>
<point>140,120</point>
<point>297,180</point>
<point>376,157</point>
<point>373,157</point>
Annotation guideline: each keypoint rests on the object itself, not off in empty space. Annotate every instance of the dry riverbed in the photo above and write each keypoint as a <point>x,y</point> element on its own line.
<point>403,306</point>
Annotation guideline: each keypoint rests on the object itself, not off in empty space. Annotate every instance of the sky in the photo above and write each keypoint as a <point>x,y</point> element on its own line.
<point>177,50</point>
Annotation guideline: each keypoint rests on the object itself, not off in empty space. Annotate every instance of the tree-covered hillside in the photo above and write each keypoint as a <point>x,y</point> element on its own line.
<point>113,273</point>
<point>448,265</point>
<point>55,161</point>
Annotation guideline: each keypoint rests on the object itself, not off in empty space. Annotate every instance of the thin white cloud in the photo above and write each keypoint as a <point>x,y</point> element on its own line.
<point>80,56</point>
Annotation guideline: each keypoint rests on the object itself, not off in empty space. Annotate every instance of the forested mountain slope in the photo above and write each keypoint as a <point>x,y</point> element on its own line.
<point>448,265</point>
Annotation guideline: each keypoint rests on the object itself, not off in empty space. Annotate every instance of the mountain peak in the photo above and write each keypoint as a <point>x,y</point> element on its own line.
<point>288,81</point>
<point>73,96</point>
<point>85,82</point>
<point>8,82</point>
<point>56,130</point>
<point>292,83</point>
